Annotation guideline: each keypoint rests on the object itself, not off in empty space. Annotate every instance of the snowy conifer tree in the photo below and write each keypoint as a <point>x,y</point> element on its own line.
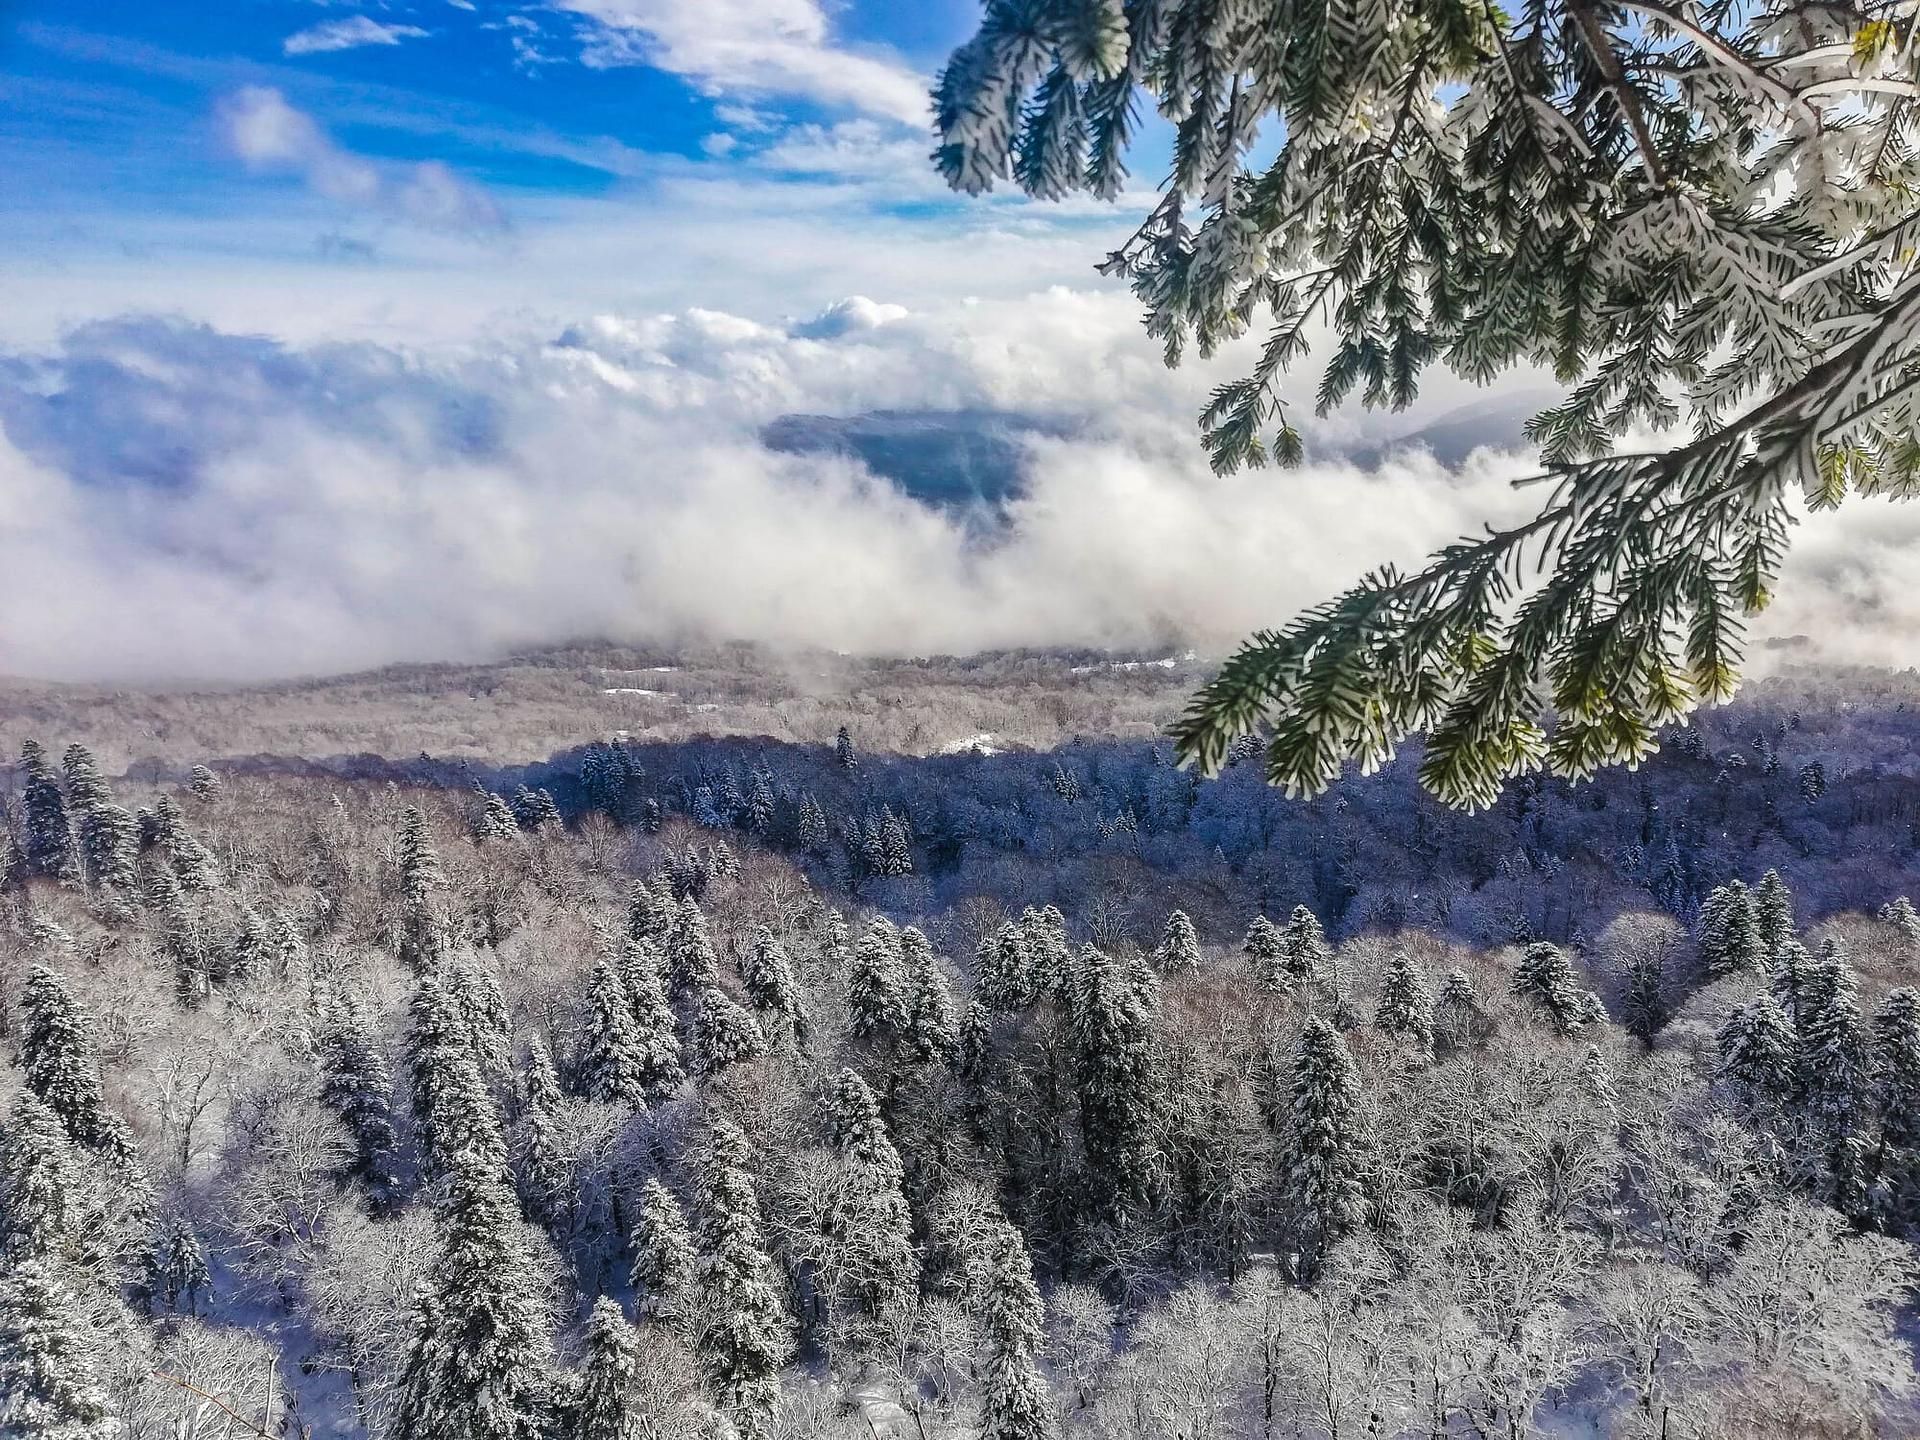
<point>203,784</point>
<point>1405,1009</point>
<point>843,749</point>
<point>886,1269</point>
<point>603,1406</point>
<point>691,965</point>
<point>495,819</point>
<point>1263,948</point>
<point>1789,978</point>
<point>878,1002</point>
<point>1900,914</point>
<point>1004,970</point>
<point>1773,914</point>
<point>772,990</point>
<point>931,1031</point>
<point>541,1171</point>
<point>1117,1075</point>
<point>650,917</point>
<point>973,1041</point>
<point>1729,931</point>
<point>742,1332</point>
<point>1305,957</point>
<point>479,1366</point>
<point>86,787</point>
<point>456,1113</point>
<point>659,1042</point>
<point>613,1066</point>
<point>110,848</point>
<point>1179,949</point>
<point>355,1085</point>
<point>1326,1143</point>
<point>723,1033</point>
<point>61,1068</point>
<point>40,1179</point>
<point>1546,976</point>
<point>1017,1406</point>
<point>1896,1055</point>
<point>48,1389</point>
<point>47,844</point>
<point>663,1257</point>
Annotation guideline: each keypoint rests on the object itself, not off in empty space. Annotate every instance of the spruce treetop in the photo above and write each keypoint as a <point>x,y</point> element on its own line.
<point>1698,217</point>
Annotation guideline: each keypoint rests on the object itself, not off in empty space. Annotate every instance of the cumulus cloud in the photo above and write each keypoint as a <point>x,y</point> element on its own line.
<point>269,135</point>
<point>348,34</point>
<point>750,48</point>
<point>176,500</point>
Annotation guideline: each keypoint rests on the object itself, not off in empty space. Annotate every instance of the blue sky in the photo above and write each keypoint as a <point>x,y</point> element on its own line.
<point>375,165</point>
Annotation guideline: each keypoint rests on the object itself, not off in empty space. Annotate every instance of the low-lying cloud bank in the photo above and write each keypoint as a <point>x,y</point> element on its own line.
<point>181,502</point>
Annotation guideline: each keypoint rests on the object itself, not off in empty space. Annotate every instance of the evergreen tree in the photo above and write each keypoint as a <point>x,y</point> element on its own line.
<point>1896,1055</point>
<point>180,937</point>
<point>772,990</point>
<point>478,1367</point>
<point>691,965</point>
<point>723,1033</point>
<point>896,846</point>
<point>474,990</point>
<point>650,917</point>
<point>458,1119</point>
<point>1758,1050</point>
<point>47,845</point>
<point>1005,971</point>
<point>810,829</point>
<point>1305,957</point>
<point>180,1267</point>
<point>973,1042</point>
<point>495,819</point>
<point>86,786</point>
<point>110,848</point>
<point>931,1031</point>
<point>603,1407</point>
<point>1596,1078</point>
<point>1049,956</point>
<point>1900,914</point>
<point>61,1068</point>
<point>1405,1009</point>
<point>543,1175</point>
<point>659,1042</point>
<point>420,875</point>
<point>886,1270</point>
<point>1264,948</point>
<point>1011,1317</point>
<point>843,749</point>
<point>878,1002</point>
<point>534,809</point>
<point>40,1184</point>
<point>743,1335</point>
<point>1546,976</point>
<point>613,1065</point>
<point>663,1258</point>
<point>1116,1074</point>
<point>47,1385</point>
<point>1789,979</point>
<point>1325,1149</point>
<point>1835,1045</point>
<point>202,783</point>
<point>1729,932</point>
<point>1813,781</point>
<point>355,1085</point>
<point>1179,949</point>
<point>1773,914</point>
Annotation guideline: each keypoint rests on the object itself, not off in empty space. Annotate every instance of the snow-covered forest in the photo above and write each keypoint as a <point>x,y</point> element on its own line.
<point>746,1088</point>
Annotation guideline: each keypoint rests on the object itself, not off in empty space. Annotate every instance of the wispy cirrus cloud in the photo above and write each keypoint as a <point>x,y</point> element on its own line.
<point>751,48</point>
<point>268,134</point>
<point>348,34</point>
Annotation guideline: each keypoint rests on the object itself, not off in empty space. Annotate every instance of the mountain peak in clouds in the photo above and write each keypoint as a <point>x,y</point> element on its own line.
<point>962,460</point>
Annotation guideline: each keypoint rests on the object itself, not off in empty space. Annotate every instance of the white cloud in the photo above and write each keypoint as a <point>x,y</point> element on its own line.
<point>268,134</point>
<point>751,48</point>
<point>175,500</point>
<point>348,34</point>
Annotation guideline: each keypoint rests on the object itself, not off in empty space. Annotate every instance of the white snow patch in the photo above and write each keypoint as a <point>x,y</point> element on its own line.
<point>973,745</point>
<point>635,690</point>
<point>1166,664</point>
